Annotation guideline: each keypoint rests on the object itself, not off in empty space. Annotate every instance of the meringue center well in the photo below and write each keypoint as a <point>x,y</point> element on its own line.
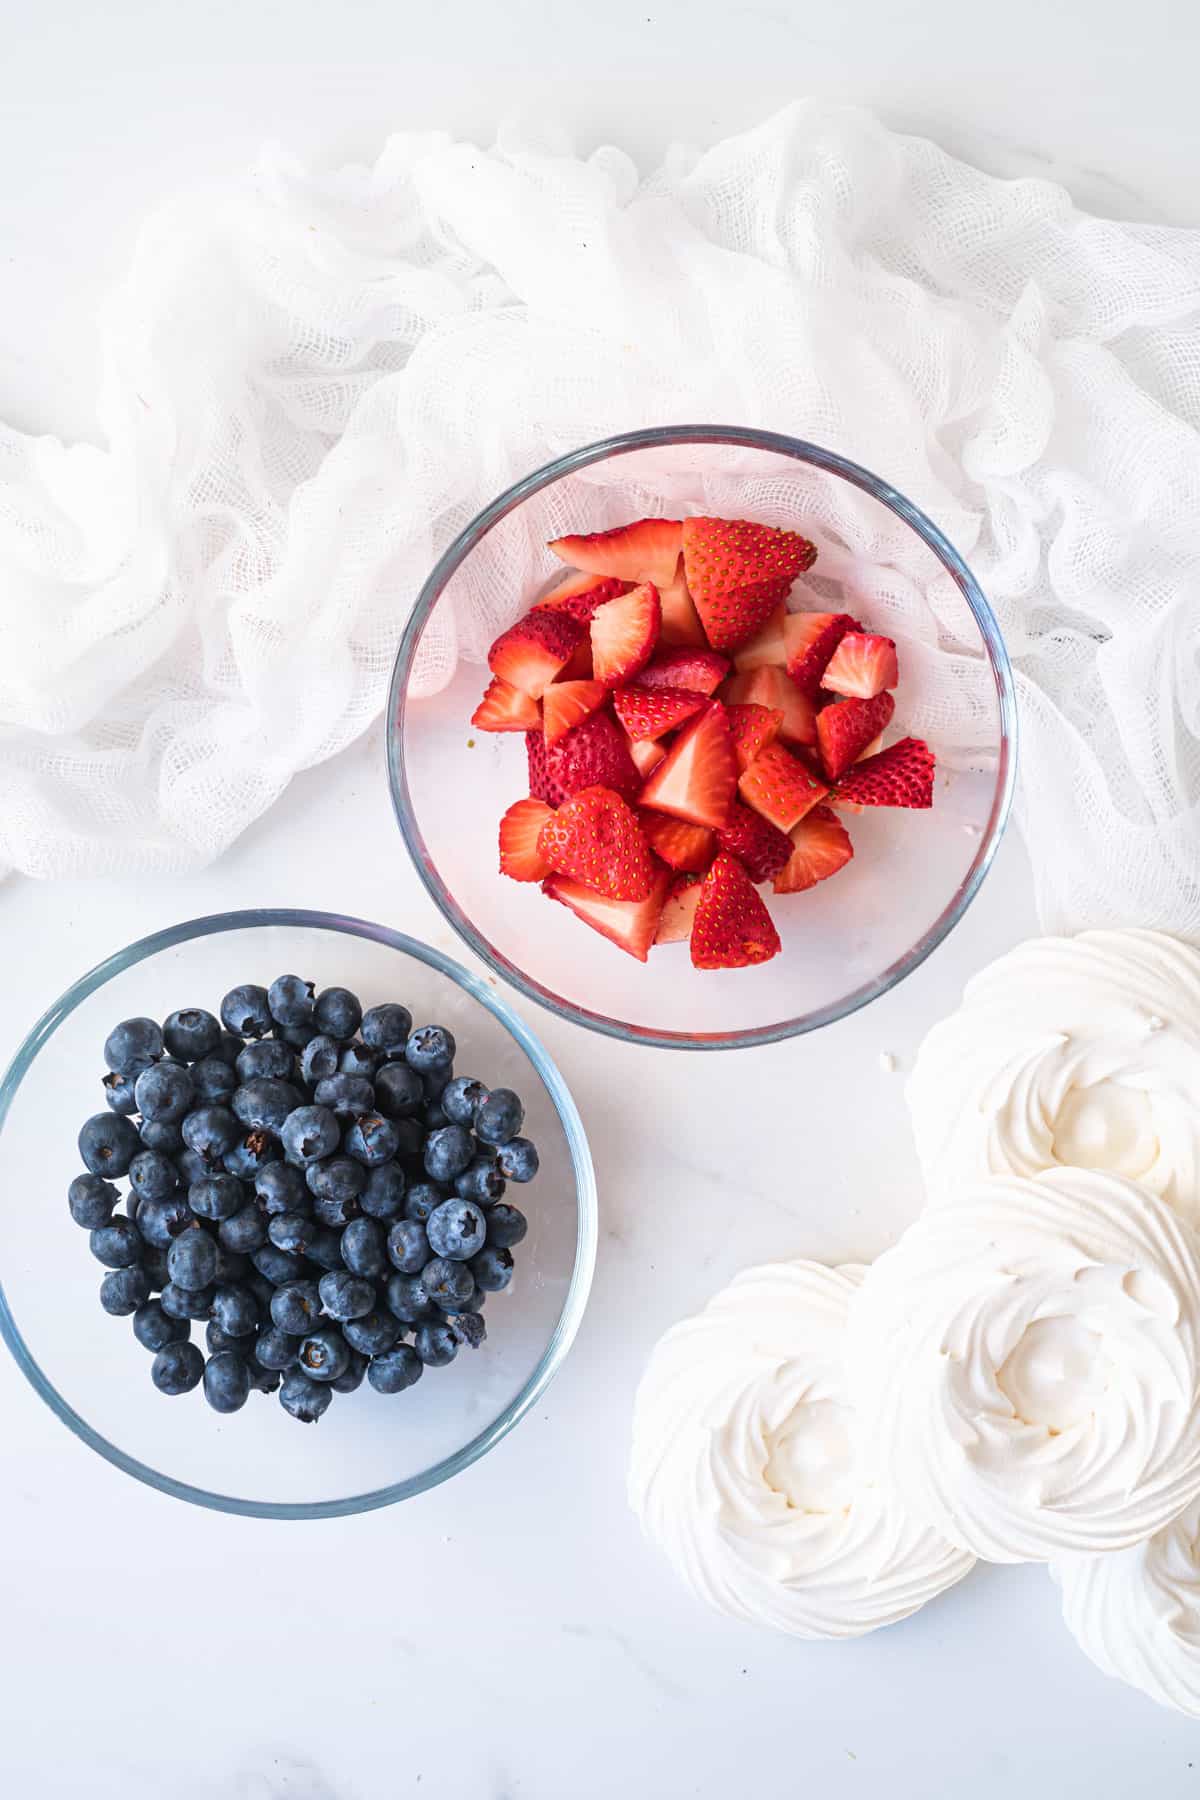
<point>811,1459</point>
<point>1056,1373</point>
<point>1106,1126</point>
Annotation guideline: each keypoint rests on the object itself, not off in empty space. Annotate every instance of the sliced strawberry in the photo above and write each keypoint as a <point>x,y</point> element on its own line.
<point>702,671</point>
<point>735,618</point>
<point>899,776</point>
<point>582,595</point>
<point>760,847</point>
<point>533,651</point>
<point>578,666</point>
<point>505,708</point>
<point>646,755</point>
<point>772,688</point>
<point>680,620</point>
<point>698,778</point>
<point>675,923</point>
<point>520,827</point>
<point>811,639</point>
<point>767,648</point>
<point>594,754</point>
<point>650,712</point>
<point>843,732</point>
<point>630,924</point>
<point>778,786</point>
<point>624,634</point>
<point>595,839</point>
<point>568,703</point>
<point>732,927</point>
<point>647,550</point>
<point>681,846</point>
<point>722,554</point>
<point>752,728</point>
<point>862,666</point>
<point>820,847</point>
<point>542,785</point>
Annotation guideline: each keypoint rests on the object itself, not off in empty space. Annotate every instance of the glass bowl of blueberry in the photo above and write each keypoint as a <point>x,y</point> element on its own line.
<point>283,1170</point>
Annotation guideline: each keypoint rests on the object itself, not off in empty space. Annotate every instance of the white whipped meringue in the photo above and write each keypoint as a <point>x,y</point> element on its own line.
<point>747,1468</point>
<point>1080,1051</point>
<point>1027,1362</point>
<point>1137,1614</point>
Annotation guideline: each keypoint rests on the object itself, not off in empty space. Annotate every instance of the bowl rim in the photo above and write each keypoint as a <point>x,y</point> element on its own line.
<point>800,450</point>
<point>574,1304</point>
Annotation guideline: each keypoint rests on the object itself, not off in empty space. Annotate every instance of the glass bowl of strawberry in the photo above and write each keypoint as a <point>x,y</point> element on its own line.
<point>702,737</point>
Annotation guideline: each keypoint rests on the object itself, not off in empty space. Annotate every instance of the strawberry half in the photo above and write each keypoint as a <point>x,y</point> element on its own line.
<point>752,728</point>
<point>680,845</point>
<point>630,924</point>
<point>624,633</point>
<point>778,786</point>
<point>542,785</point>
<point>760,847</point>
<point>732,928</point>
<point>567,703</point>
<point>680,620</point>
<point>675,921</point>
<point>594,754</point>
<point>533,651</point>
<point>772,688</point>
<point>582,595</point>
<point>698,778</point>
<point>520,856</point>
<point>862,666</point>
<point>722,554</point>
<point>647,550</point>
<point>505,708</point>
<point>820,847</point>
<point>845,731</point>
<point>649,712</point>
<point>810,640</point>
<point>767,648</point>
<point>646,755</point>
<point>899,776</point>
<point>701,671</point>
<point>734,618</point>
<point>595,839</point>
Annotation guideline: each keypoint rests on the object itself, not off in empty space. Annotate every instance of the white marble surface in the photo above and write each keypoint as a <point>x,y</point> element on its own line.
<point>508,1637</point>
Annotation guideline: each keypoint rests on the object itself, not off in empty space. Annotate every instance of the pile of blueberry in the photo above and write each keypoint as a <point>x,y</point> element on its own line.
<point>313,1181</point>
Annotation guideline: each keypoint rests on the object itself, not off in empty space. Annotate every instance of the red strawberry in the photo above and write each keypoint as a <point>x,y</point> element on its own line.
<point>843,732</point>
<point>624,633</point>
<point>650,712</point>
<point>595,839</point>
<point>735,618</point>
<point>578,666</point>
<point>647,550</point>
<point>760,847</point>
<point>567,703</point>
<point>752,728</point>
<point>582,595</point>
<point>542,785</point>
<point>505,708</point>
<point>732,927</point>
<point>681,846</point>
<point>702,671</point>
<point>530,653</point>
<point>899,776</point>
<point>630,924</point>
<point>772,688</point>
<point>675,924</point>
<point>722,554</point>
<point>820,847</point>
<point>594,754</point>
<point>520,856</point>
<point>697,780</point>
<point>778,786</point>
<point>767,648</point>
<point>811,639</point>
<point>680,620</point>
<point>646,755</point>
<point>862,666</point>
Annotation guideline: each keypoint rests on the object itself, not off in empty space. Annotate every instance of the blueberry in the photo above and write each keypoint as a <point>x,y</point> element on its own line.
<point>430,1047</point>
<point>363,1248</point>
<point>91,1200</point>
<point>326,1248</point>
<point>334,1212</point>
<point>449,1284</point>
<point>213,1081</point>
<point>186,1303</point>
<point>229,1049</point>
<point>261,1288</point>
<point>422,1199</point>
<point>456,1230</point>
<point>210,1131</point>
<point>154,1261</point>
<point>480,1181</point>
<point>117,1245</point>
<point>276,1349</point>
<point>436,1345</point>
<point>435,1118</point>
<point>235,1310</point>
<point>177,1368</point>
<point>408,1247</point>
<point>462,1098</point>
<point>386,1028</point>
<point>278,1267</point>
<point>296,1035</point>
<point>291,1232</point>
<point>154,1329</point>
<point>492,1268</point>
<point>304,1399</point>
<point>338,1013</point>
<point>346,1095</point>
<point>517,1159</point>
<point>244,1230</point>
<point>158,1134</point>
<point>434,1083</point>
<point>506,1226</point>
<point>398,1091</point>
<point>373,1334</point>
<point>108,1144</point>
<point>217,1338</point>
<point>122,1291</point>
<point>132,1042</point>
<point>337,1178</point>
<point>410,1144</point>
<point>192,1259</point>
<point>345,1296</point>
<point>395,1370</point>
<point>216,1197</point>
<point>499,1118</point>
<point>232,1265</point>
<point>119,1095</point>
<point>310,1133</point>
<point>266,1060</point>
<point>448,1152</point>
<point>291,1000</point>
<point>244,1011</point>
<point>191,1034</point>
<point>164,1092</point>
<point>383,1196</point>
<point>408,1300</point>
<point>469,1328</point>
<point>296,1307</point>
<point>352,1375</point>
<point>193,1167</point>
<point>250,1154</point>
<point>226,1381</point>
<point>319,1060</point>
<point>280,1188</point>
<point>360,1059</point>
<point>264,1104</point>
<point>324,1354</point>
<point>372,1140</point>
<point>262,1381</point>
<point>161,1220</point>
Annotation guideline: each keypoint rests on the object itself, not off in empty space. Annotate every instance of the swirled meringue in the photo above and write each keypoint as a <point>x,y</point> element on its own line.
<point>748,1471</point>
<point>1027,1361</point>
<point>1083,1052</point>
<point>1137,1614</point>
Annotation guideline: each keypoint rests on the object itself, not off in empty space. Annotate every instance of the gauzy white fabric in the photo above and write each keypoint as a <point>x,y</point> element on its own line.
<point>312,382</point>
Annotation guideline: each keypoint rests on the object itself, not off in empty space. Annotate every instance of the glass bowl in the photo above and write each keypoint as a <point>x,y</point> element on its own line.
<point>369,1449</point>
<point>846,941</point>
